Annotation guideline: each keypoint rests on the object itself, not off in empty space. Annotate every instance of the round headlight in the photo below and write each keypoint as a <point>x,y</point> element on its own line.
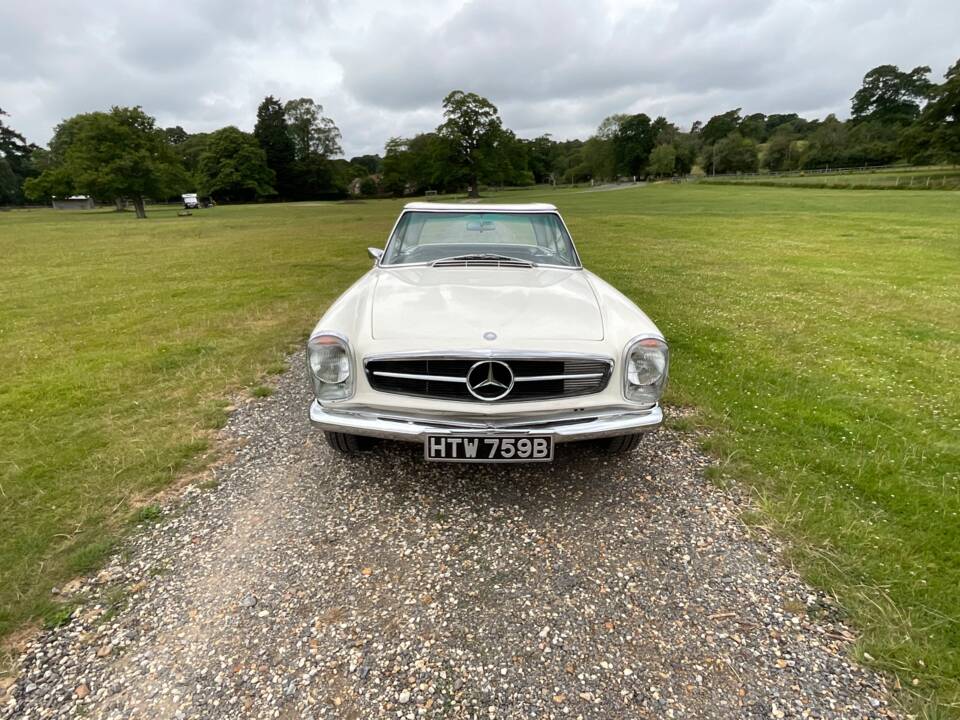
<point>329,361</point>
<point>645,373</point>
<point>645,367</point>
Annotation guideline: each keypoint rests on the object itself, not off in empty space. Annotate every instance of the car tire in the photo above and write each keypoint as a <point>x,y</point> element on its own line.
<point>622,443</point>
<point>348,444</point>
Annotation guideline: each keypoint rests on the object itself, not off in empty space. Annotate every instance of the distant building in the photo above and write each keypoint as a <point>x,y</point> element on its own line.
<point>74,202</point>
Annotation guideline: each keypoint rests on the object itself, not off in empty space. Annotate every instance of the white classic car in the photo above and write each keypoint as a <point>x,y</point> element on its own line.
<point>479,334</point>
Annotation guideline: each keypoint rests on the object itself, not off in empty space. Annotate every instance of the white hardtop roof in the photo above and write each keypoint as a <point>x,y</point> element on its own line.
<point>477,207</point>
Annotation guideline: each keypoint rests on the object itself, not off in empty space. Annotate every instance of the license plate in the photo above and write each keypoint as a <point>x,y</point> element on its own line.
<point>503,448</point>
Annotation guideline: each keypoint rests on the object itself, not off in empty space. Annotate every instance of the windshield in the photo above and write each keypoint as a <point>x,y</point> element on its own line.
<point>425,237</point>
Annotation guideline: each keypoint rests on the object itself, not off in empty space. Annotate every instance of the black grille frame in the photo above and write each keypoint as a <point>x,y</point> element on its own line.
<point>523,366</point>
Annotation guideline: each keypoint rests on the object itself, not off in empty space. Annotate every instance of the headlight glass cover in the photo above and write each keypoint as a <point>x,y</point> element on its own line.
<point>646,365</point>
<point>330,366</point>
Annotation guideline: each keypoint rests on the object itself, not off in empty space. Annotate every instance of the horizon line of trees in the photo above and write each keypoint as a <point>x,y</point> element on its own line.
<point>294,150</point>
<point>895,116</point>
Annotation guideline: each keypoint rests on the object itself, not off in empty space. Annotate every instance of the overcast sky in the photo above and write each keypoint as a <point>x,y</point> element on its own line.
<point>380,69</point>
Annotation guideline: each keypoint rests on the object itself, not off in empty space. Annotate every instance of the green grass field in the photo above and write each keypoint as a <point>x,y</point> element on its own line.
<point>923,178</point>
<point>817,332</point>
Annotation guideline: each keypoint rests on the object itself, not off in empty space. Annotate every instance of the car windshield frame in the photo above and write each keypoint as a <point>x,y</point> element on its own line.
<point>460,250</point>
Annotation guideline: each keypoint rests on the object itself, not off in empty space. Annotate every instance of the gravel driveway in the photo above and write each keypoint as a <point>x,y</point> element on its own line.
<point>308,585</point>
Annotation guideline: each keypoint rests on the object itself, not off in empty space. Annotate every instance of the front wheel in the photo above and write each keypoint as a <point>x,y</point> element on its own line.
<point>348,444</point>
<point>621,443</point>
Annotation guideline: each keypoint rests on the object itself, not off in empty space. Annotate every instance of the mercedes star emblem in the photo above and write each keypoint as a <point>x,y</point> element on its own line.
<point>490,380</point>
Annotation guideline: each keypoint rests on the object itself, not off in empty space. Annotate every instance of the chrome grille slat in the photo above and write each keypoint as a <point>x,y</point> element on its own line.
<point>444,377</point>
<point>545,378</point>
<point>482,263</point>
<point>412,376</point>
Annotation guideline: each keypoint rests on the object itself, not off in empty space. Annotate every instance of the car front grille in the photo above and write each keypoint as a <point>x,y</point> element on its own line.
<point>446,378</point>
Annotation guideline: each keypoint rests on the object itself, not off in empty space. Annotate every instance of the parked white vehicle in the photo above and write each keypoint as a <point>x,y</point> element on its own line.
<point>190,201</point>
<point>479,334</point>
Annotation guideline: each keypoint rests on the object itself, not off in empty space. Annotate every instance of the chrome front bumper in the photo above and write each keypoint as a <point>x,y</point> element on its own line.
<point>566,427</point>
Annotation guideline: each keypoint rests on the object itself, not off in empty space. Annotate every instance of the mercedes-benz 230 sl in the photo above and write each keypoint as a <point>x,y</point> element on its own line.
<point>479,334</point>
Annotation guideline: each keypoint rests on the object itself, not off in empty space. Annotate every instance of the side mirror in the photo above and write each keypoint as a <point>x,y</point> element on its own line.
<point>375,254</point>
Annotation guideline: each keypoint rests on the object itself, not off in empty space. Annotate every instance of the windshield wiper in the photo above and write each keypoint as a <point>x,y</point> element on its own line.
<point>483,256</point>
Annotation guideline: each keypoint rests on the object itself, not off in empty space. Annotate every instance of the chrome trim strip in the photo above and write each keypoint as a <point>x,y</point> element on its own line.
<point>480,355</point>
<point>544,378</point>
<point>411,376</point>
<point>451,378</point>
<point>428,264</point>
<point>487,354</point>
<point>588,425</point>
<point>500,420</point>
<point>483,262</point>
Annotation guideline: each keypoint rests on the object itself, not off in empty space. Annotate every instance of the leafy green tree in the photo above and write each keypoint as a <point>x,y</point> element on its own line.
<point>915,144</point>
<point>792,121</point>
<point>317,177</point>
<point>569,153</point>
<point>120,154</point>
<point>890,95</point>
<point>372,164</point>
<point>827,144</point>
<point>233,167</point>
<point>595,161</point>
<point>870,143</point>
<point>472,127</point>
<point>663,160</point>
<point>273,134</point>
<point>686,146</point>
<point>754,127</point>
<point>633,144</point>
<point>9,183</point>
<point>781,153</point>
<point>663,130</point>
<point>941,117</point>
<point>542,158</point>
<point>190,150</point>
<point>396,166</point>
<point>734,154</point>
<point>312,133</point>
<point>720,126</point>
<point>176,135</point>
<point>424,162</point>
<point>15,154</point>
<point>609,128</point>
<point>508,162</point>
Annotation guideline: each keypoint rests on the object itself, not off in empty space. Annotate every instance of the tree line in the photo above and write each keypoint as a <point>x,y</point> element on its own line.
<point>896,116</point>
<point>294,150</point>
<point>123,155</point>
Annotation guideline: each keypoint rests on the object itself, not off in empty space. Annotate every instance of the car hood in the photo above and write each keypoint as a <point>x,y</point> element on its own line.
<point>459,303</point>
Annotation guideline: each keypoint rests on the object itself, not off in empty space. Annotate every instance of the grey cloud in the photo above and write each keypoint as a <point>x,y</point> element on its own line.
<point>381,69</point>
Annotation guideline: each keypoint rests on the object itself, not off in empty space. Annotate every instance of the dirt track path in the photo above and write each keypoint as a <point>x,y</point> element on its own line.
<point>308,585</point>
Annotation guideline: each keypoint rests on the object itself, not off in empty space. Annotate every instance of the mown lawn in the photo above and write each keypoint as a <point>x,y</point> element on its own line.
<point>923,178</point>
<point>817,331</point>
